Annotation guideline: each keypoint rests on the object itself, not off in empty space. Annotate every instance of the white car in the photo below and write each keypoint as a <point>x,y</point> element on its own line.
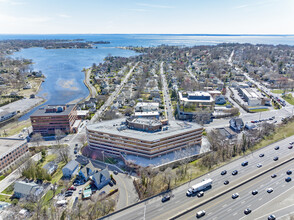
<point>259,165</point>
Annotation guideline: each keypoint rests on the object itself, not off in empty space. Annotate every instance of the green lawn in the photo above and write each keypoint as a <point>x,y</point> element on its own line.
<point>48,159</point>
<point>277,91</point>
<point>259,110</point>
<point>58,174</point>
<point>4,198</point>
<point>49,195</point>
<point>9,189</point>
<point>289,98</point>
<point>2,177</point>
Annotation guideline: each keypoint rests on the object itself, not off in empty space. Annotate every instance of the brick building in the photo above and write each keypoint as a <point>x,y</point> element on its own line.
<point>49,118</point>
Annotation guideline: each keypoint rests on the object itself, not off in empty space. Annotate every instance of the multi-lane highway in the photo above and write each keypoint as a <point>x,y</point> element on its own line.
<point>155,209</point>
<point>225,207</point>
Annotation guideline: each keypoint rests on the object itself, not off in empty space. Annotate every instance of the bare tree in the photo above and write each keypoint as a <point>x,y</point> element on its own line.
<point>37,138</point>
<point>59,135</point>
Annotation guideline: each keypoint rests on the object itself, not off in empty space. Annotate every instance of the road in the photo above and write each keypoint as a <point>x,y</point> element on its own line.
<point>225,207</point>
<point>93,91</point>
<point>155,209</point>
<point>110,99</point>
<point>166,97</point>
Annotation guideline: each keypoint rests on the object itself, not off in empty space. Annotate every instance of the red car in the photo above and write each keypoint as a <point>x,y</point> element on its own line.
<point>72,188</point>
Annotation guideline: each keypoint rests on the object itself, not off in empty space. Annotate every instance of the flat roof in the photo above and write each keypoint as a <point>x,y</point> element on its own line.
<point>111,127</point>
<point>146,114</point>
<point>7,145</point>
<point>42,110</point>
<point>186,99</point>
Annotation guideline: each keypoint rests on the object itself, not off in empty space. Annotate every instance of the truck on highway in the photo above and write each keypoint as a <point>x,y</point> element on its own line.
<point>206,183</point>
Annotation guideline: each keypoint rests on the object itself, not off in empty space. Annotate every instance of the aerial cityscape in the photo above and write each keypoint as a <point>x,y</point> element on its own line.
<point>138,110</point>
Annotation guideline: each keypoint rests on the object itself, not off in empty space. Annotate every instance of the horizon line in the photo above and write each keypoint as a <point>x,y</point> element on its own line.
<point>149,34</point>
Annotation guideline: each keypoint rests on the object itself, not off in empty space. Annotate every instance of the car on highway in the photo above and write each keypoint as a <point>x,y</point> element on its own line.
<point>235,195</point>
<point>226,182</point>
<point>270,190</point>
<point>165,198</point>
<point>200,214</point>
<point>290,147</point>
<point>254,192</point>
<point>271,217</point>
<point>277,147</point>
<point>259,165</point>
<point>274,175</point>
<point>261,155</point>
<point>276,158</point>
<point>247,211</point>
<point>288,179</point>
<point>245,163</point>
<point>200,194</point>
<point>224,172</point>
<point>235,172</point>
<point>289,172</point>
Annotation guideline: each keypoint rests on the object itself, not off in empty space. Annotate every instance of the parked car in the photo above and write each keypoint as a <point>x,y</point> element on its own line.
<point>274,175</point>
<point>290,147</point>
<point>261,155</point>
<point>72,188</point>
<point>110,183</point>
<point>115,172</point>
<point>259,165</point>
<point>254,192</point>
<point>277,147</point>
<point>289,172</point>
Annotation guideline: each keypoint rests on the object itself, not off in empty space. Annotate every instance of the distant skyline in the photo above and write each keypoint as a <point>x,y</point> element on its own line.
<point>147,17</point>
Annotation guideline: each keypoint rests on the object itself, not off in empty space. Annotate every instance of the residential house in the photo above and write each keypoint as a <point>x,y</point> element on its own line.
<point>23,190</point>
<point>86,171</point>
<point>70,169</point>
<point>51,167</point>
<point>227,133</point>
<point>236,124</point>
<point>101,178</point>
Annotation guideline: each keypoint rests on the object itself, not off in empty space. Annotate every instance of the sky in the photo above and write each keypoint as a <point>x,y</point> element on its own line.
<point>146,16</point>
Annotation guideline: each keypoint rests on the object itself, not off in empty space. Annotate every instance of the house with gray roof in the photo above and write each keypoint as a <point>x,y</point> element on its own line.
<point>87,171</point>
<point>101,179</point>
<point>70,169</point>
<point>23,189</point>
<point>50,167</point>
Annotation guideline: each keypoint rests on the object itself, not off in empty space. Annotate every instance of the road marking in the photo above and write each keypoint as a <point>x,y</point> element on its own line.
<point>260,199</point>
<point>235,214</point>
<point>229,210</point>
<point>225,205</point>
<point>243,202</point>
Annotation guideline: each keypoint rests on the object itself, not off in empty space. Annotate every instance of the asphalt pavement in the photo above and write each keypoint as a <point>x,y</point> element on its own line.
<point>155,209</point>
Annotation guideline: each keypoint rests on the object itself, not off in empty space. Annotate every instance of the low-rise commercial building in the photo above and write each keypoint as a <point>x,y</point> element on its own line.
<point>11,151</point>
<point>4,115</point>
<point>46,120</point>
<point>193,103</point>
<point>142,137</point>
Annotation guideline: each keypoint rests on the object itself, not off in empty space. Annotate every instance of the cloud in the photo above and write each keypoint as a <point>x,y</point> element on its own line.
<point>13,19</point>
<point>257,4</point>
<point>64,16</point>
<point>154,6</point>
